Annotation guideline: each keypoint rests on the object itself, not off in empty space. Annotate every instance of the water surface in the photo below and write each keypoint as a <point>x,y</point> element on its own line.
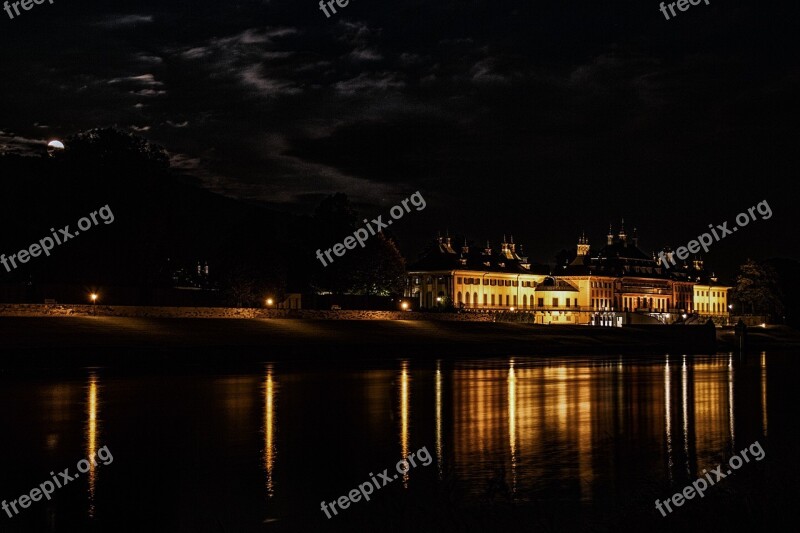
<point>572,443</point>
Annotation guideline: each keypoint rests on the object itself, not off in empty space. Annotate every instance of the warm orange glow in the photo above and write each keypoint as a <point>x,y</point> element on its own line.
<point>93,296</point>
<point>404,306</point>
<point>512,423</point>
<point>439,417</point>
<point>668,415</point>
<point>269,431</point>
<point>269,301</point>
<point>404,411</point>
<point>91,438</point>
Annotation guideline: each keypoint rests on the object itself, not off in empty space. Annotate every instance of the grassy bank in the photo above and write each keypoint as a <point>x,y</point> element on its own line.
<point>129,341</point>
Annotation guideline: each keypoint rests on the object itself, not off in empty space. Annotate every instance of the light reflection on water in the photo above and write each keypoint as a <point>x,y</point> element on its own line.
<point>507,428</point>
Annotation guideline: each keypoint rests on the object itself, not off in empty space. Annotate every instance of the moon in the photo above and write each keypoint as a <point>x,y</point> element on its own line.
<point>55,145</point>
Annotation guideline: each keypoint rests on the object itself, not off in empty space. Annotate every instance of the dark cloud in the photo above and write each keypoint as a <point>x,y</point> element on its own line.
<point>512,113</point>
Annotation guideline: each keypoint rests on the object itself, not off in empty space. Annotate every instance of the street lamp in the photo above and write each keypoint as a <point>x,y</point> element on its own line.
<point>93,297</point>
<point>269,302</point>
<point>404,306</point>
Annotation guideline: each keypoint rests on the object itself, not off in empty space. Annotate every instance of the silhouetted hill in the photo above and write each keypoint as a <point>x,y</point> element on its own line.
<point>161,222</point>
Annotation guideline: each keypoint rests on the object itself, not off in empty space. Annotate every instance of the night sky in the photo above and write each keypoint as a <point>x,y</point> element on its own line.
<point>541,119</point>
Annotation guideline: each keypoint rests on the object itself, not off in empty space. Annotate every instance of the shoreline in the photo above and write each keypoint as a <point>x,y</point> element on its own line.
<point>98,340</point>
<point>75,338</point>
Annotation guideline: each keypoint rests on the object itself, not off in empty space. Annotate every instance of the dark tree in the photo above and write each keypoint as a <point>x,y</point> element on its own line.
<point>757,289</point>
<point>378,269</point>
<point>115,148</point>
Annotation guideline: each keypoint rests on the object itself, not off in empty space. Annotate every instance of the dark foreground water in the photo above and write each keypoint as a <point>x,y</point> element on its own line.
<point>523,444</point>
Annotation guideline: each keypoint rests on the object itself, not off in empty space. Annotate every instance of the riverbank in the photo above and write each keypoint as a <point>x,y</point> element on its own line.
<point>98,340</point>
<point>137,311</point>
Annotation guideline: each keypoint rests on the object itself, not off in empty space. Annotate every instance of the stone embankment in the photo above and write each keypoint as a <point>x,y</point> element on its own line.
<point>32,310</point>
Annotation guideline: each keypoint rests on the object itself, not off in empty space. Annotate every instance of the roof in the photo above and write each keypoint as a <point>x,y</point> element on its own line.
<point>441,256</point>
<point>553,285</point>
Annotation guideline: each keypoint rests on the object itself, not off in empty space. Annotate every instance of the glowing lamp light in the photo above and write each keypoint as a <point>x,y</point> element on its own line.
<point>93,296</point>
<point>439,299</point>
<point>511,309</point>
<point>404,306</point>
<point>684,316</point>
<point>269,301</point>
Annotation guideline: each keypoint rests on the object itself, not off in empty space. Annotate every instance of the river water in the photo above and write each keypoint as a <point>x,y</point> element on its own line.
<point>516,443</point>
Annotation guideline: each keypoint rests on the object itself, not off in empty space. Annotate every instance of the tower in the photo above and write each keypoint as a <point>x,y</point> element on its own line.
<point>623,237</point>
<point>583,245</point>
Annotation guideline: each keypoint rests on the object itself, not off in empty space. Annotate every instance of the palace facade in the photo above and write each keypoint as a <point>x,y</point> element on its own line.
<point>618,284</point>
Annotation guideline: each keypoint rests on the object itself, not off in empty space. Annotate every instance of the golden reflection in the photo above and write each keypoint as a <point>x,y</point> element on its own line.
<point>512,424</point>
<point>583,398</point>
<point>404,408</point>
<point>713,408</point>
<point>668,415</point>
<point>269,430</point>
<point>731,419</point>
<point>517,427</point>
<point>91,438</point>
<point>685,407</point>
<point>764,392</point>
<point>439,417</point>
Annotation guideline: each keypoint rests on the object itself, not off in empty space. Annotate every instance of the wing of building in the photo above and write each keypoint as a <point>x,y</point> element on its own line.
<point>618,284</point>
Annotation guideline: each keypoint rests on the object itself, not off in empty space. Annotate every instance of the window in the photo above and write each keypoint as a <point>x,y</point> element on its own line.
<point>567,302</point>
<point>492,299</point>
<point>555,302</point>
<point>540,302</point>
<point>515,299</point>
<point>507,297</point>
<point>459,297</point>
<point>484,299</point>
<point>468,302</point>
<point>460,280</point>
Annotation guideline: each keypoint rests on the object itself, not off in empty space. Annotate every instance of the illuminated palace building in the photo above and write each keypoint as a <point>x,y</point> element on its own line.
<point>619,284</point>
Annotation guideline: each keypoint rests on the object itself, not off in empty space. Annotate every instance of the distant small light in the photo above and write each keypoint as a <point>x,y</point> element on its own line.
<point>93,296</point>
<point>438,298</point>
<point>269,301</point>
<point>404,306</point>
<point>512,309</point>
<point>684,316</point>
